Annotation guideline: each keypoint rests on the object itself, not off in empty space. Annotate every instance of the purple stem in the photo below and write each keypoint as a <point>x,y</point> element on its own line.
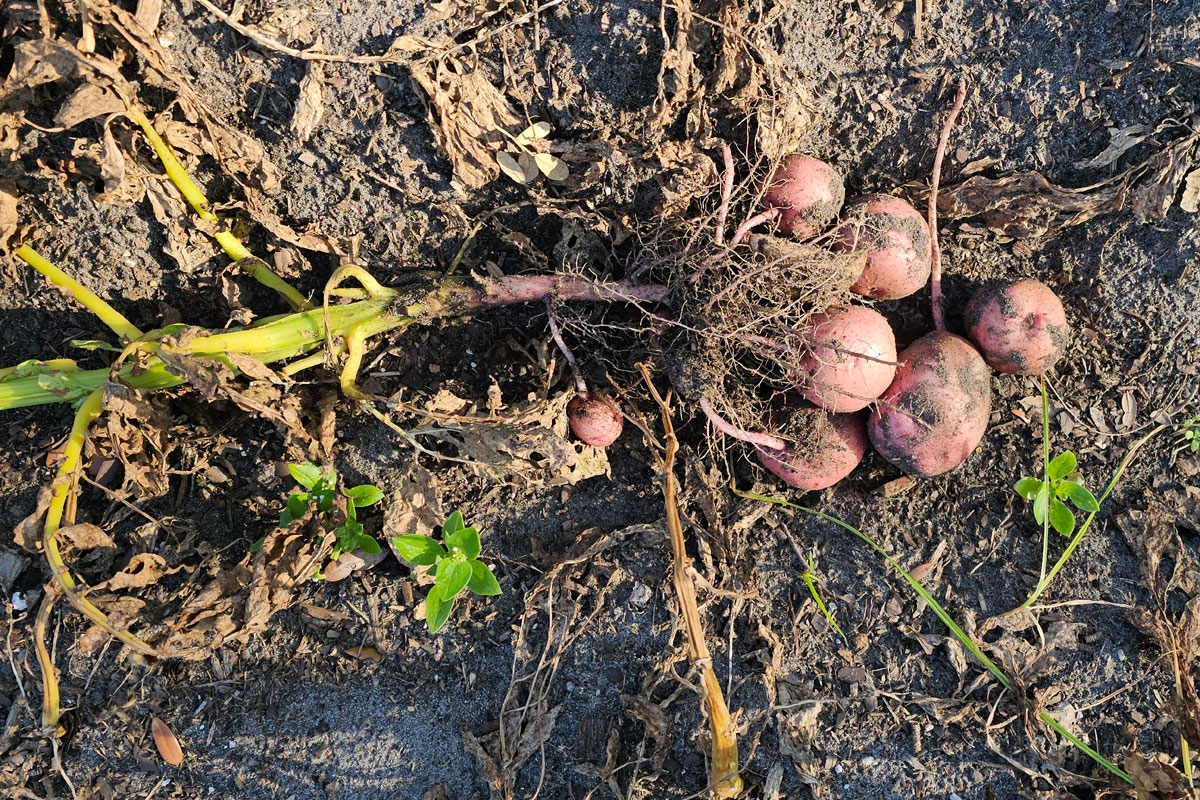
<point>761,439</point>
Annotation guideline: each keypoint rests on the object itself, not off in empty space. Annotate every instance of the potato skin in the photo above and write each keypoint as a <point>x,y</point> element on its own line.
<point>832,377</point>
<point>808,193</point>
<point>840,444</point>
<point>1020,326</point>
<point>936,410</point>
<point>595,420</point>
<point>896,239</point>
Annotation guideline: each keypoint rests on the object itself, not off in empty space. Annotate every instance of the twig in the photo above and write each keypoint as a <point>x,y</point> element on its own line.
<point>726,782</point>
<point>935,278</point>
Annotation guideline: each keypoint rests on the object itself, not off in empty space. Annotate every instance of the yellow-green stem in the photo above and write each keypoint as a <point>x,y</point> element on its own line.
<point>108,315</point>
<point>232,246</point>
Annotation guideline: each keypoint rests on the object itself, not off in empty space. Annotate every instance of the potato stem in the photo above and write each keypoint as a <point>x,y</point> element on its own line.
<point>935,278</point>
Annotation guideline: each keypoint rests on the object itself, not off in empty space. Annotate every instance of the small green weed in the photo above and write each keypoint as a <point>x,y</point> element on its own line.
<point>1050,495</point>
<point>321,490</point>
<point>810,579</point>
<point>455,565</point>
<point>1190,432</point>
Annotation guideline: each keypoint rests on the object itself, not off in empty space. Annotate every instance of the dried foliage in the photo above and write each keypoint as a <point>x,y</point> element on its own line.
<point>1027,204</point>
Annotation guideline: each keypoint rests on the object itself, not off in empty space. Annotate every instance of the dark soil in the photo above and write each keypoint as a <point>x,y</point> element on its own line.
<point>897,711</point>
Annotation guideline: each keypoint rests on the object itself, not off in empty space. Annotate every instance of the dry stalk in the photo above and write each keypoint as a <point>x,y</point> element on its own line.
<point>724,778</point>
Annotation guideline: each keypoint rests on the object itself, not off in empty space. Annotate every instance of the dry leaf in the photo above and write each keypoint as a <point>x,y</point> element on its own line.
<point>89,101</point>
<point>165,741</point>
<point>8,215</point>
<point>553,168</point>
<point>528,165</point>
<point>510,167</point>
<point>310,107</point>
<point>1122,140</point>
<point>365,652</point>
<point>538,130</point>
<point>148,13</point>
<point>143,570</point>
<point>466,112</point>
<point>112,162</point>
<point>1190,201</point>
<point>1027,204</point>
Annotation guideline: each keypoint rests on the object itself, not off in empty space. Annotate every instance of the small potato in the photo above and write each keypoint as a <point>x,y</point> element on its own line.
<point>808,193</point>
<point>895,238</point>
<point>838,445</point>
<point>1020,326</point>
<point>851,358</point>
<point>936,410</point>
<point>594,419</point>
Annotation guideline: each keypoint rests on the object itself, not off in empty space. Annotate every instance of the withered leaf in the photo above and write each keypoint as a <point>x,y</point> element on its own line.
<point>112,162</point>
<point>89,101</point>
<point>8,215</point>
<point>553,168</point>
<point>509,166</point>
<point>310,107</point>
<point>1190,202</point>
<point>466,111</point>
<point>1027,204</point>
<point>1122,141</point>
<point>165,741</point>
<point>142,570</point>
<point>28,533</point>
<point>148,13</point>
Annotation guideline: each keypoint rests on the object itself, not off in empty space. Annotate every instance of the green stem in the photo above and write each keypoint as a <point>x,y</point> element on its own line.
<point>1087,523</point>
<point>1046,485</point>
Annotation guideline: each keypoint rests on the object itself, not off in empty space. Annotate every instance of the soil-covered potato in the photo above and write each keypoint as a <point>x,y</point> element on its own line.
<point>851,358</point>
<point>808,193</point>
<point>595,420</point>
<point>895,238</point>
<point>837,445</point>
<point>936,410</point>
<point>1019,326</point>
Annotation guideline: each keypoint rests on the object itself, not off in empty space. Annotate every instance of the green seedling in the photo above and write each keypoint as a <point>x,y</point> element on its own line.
<point>321,491</point>
<point>810,580</point>
<point>455,564</point>
<point>1191,433</point>
<point>1050,495</point>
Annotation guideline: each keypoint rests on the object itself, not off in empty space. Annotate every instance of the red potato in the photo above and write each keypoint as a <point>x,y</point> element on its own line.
<point>839,444</point>
<point>808,193</point>
<point>936,410</point>
<point>594,419</point>
<point>851,360</point>
<point>896,239</point>
<point>1020,326</point>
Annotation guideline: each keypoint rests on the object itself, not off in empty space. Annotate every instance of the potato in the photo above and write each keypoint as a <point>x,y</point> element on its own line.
<point>1020,326</point>
<point>895,238</point>
<point>936,410</point>
<point>851,358</point>
<point>808,194</point>
<point>594,419</point>
<point>838,445</point>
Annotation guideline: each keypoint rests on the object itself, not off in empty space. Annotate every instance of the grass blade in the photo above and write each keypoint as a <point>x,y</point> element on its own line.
<point>949,622</point>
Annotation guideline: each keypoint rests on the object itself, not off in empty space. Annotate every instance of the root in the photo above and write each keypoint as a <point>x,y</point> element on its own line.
<point>935,278</point>
<point>760,439</point>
